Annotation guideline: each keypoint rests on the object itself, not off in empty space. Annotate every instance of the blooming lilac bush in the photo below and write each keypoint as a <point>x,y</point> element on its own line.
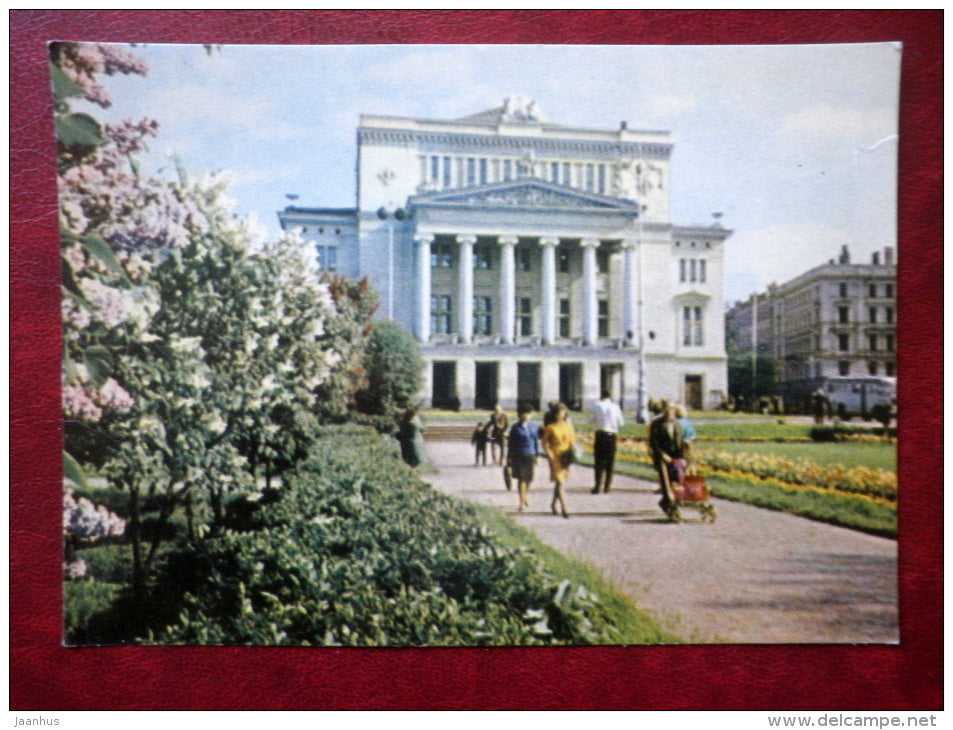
<point>189,343</point>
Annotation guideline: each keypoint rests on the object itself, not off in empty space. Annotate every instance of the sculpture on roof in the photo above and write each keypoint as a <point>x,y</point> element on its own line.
<point>518,109</point>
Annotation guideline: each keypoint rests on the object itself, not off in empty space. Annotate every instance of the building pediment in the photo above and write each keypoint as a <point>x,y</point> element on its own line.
<point>525,194</point>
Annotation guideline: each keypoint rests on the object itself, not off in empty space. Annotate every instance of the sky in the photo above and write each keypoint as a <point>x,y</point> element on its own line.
<point>795,145</point>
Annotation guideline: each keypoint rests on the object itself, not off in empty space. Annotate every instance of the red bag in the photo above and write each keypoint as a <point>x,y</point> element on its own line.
<point>692,488</point>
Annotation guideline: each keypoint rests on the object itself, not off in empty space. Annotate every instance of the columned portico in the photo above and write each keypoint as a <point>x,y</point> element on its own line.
<point>590,313</point>
<point>548,284</point>
<point>507,288</point>
<point>422,242</point>
<point>465,307</point>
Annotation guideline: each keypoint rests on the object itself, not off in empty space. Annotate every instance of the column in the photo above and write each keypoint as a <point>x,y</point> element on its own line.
<point>465,307</point>
<point>507,288</point>
<point>548,284</point>
<point>590,306</point>
<point>423,241</point>
<point>629,293</point>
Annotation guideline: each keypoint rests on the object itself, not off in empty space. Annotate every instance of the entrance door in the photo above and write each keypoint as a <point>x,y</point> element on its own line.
<point>487,385</point>
<point>610,378</point>
<point>527,383</point>
<point>570,385</point>
<point>445,385</point>
<point>693,392</point>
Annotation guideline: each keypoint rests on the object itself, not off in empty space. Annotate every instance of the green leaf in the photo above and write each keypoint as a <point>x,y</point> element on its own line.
<point>99,363</point>
<point>69,283</point>
<point>63,85</point>
<point>101,250</point>
<point>79,130</point>
<point>73,471</point>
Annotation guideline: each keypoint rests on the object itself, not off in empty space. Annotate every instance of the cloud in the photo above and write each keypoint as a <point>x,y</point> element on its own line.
<point>863,125</point>
<point>671,105</point>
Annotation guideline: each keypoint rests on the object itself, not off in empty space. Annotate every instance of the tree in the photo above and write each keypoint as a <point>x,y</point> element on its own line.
<point>394,369</point>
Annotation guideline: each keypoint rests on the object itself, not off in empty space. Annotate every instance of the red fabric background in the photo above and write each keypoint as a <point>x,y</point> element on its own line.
<point>45,676</point>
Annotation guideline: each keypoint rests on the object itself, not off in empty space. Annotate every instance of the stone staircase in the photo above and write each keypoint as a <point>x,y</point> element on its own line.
<point>448,431</point>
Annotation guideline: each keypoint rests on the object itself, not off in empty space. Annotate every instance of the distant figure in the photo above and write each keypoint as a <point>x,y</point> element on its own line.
<point>819,406</point>
<point>606,416</point>
<point>499,424</point>
<point>666,444</point>
<point>411,437</point>
<point>688,435</point>
<point>479,440</point>
<point>521,452</point>
<point>559,441</point>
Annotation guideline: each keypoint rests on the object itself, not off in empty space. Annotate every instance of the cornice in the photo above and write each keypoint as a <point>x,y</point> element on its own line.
<point>449,142</point>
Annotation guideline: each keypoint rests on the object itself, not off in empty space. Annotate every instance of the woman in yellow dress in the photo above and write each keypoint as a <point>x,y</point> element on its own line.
<point>559,440</point>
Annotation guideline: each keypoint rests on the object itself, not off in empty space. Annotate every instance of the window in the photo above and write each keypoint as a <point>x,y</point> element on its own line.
<point>327,258</point>
<point>441,256</point>
<point>471,171</point>
<point>524,258</point>
<point>482,257</point>
<point>434,167</point>
<point>590,177</point>
<point>567,179</point>
<point>843,367</point>
<point>872,291</point>
<point>554,172</point>
<point>562,259</point>
<point>701,270</point>
<point>872,367</point>
<point>842,287</point>
<point>692,326</point>
<point>483,171</point>
<point>602,178</point>
<point>888,315</point>
<point>873,315</point>
<point>843,343</point>
<point>603,321</point>
<point>507,169</point>
<point>691,269</point>
<point>889,339</point>
<point>682,269</point>
<point>889,369</point>
<point>482,315</point>
<point>447,173</point>
<point>872,342</point>
<point>602,261</point>
<point>564,317</point>
<point>524,316</point>
<point>843,314</point>
<point>888,290</point>
<point>441,314</point>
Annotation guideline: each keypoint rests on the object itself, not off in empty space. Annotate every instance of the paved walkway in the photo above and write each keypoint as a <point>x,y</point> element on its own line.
<point>754,576</point>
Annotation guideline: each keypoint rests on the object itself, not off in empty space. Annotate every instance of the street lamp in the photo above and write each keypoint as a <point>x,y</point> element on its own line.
<point>642,415</point>
<point>389,215</point>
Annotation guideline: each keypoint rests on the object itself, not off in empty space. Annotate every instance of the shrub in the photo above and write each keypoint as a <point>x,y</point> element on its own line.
<point>358,551</point>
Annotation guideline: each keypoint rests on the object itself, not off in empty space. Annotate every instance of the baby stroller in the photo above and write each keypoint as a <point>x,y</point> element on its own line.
<point>687,490</point>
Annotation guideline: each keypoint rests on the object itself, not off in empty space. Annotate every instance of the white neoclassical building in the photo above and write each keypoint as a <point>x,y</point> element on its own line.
<point>533,261</point>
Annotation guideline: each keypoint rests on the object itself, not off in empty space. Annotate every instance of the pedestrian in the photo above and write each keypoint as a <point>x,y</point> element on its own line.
<point>522,450</point>
<point>479,439</point>
<point>667,444</point>
<point>606,416</point>
<point>411,437</point>
<point>559,442</point>
<point>498,428</point>
<point>688,435</point>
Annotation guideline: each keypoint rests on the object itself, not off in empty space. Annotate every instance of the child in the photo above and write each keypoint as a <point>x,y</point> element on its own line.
<point>479,439</point>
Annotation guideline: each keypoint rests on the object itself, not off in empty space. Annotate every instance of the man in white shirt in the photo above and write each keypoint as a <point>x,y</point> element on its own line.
<point>606,416</point>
